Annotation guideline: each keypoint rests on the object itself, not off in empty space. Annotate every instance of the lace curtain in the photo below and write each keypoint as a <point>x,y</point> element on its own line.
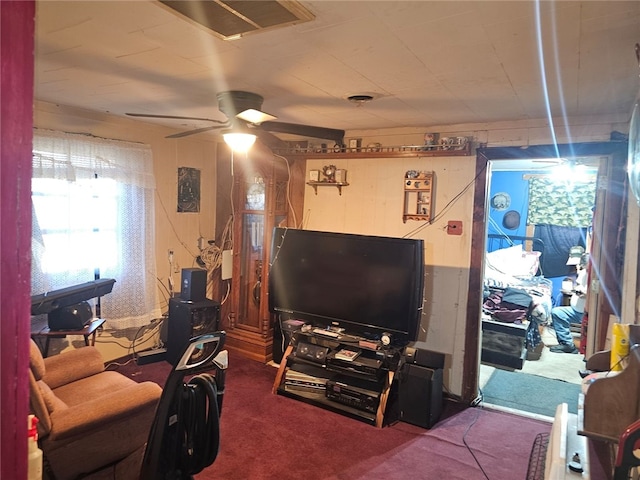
<point>93,213</point>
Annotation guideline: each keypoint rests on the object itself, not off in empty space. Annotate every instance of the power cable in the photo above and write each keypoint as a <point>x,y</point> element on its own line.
<point>464,440</point>
<point>446,208</point>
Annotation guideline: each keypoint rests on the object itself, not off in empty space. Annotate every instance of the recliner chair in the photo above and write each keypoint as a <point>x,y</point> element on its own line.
<point>93,423</point>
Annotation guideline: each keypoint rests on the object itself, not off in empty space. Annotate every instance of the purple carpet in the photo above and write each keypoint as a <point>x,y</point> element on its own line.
<point>266,436</point>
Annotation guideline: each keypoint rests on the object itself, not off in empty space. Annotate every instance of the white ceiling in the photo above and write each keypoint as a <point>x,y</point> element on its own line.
<point>427,63</point>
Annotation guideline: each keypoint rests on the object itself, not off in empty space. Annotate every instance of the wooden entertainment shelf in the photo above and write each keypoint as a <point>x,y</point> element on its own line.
<point>310,372</point>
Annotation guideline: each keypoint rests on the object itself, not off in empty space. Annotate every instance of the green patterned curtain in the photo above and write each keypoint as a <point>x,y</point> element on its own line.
<point>562,204</point>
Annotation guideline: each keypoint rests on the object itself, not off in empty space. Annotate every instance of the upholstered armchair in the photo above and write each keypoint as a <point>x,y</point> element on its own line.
<point>93,423</point>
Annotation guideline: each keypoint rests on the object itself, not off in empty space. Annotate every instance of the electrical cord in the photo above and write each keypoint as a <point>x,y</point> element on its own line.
<point>288,192</point>
<point>444,209</point>
<point>142,335</point>
<point>226,295</point>
<point>211,257</point>
<point>464,440</point>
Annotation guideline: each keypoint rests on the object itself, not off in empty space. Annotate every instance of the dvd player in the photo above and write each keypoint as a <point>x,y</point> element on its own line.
<point>361,366</point>
<point>356,397</point>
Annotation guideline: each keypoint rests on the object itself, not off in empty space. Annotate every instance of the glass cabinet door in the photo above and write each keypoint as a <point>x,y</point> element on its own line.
<point>251,269</point>
<point>251,252</point>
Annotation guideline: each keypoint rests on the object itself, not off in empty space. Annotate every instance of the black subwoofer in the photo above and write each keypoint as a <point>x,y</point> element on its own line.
<point>187,320</point>
<point>419,395</point>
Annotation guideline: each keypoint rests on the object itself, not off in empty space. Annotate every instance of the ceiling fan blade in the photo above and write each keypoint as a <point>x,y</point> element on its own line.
<point>304,130</point>
<point>174,117</point>
<point>252,115</point>
<point>193,132</point>
<point>270,140</point>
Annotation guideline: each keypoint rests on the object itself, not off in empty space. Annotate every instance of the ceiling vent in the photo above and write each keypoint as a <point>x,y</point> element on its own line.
<point>233,19</point>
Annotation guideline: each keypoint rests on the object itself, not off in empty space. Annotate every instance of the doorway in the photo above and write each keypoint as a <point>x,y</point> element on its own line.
<point>538,210</point>
<point>609,159</point>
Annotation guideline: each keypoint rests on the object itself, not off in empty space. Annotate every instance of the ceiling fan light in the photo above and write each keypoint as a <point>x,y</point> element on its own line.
<point>238,141</point>
<point>252,115</point>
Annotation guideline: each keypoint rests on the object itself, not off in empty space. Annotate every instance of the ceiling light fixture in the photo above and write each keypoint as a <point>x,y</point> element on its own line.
<point>238,136</point>
<point>239,141</point>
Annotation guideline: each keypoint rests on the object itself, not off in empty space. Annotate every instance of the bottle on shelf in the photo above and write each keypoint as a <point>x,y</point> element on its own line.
<point>34,467</point>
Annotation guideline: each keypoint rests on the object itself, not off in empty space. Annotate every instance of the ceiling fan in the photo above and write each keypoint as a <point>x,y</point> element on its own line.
<point>243,113</point>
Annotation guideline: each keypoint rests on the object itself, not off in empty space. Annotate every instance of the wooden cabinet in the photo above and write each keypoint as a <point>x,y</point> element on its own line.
<point>261,201</point>
<point>258,192</point>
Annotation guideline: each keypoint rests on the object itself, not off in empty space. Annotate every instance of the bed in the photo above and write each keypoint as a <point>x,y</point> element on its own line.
<point>517,300</point>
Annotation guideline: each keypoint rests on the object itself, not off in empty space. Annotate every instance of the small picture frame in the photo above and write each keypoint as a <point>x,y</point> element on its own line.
<point>341,176</point>
<point>431,140</point>
<point>355,144</point>
<point>314,175</point>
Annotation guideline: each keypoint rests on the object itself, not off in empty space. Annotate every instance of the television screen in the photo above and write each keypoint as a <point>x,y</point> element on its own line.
<point>365,284</point>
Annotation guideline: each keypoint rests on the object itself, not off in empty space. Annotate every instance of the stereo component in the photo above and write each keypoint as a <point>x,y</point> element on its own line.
<point>419,395</point>
<point>363,367</point>
<point>418,354</point>
<point>193,286</point>
<point>314,353</point>
<point>356,397</point>
<point>187,320</point>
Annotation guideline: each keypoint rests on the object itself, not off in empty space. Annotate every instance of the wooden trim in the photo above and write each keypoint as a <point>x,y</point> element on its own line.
<point>16,123</point>
<point>384,396</point>
<point>610,267</point>
<point>281,370</point>
<point>474,299</point>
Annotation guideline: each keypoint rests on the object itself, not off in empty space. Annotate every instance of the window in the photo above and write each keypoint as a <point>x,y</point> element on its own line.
<point>78,222</point>
<point>93,213</point>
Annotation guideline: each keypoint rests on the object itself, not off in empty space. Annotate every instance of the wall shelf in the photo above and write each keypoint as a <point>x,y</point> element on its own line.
<point>418,196</point>
<point>379,152</point>
<point>315,185</point>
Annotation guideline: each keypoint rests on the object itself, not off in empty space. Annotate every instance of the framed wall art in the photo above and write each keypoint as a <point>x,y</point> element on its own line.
<point>188,190</point>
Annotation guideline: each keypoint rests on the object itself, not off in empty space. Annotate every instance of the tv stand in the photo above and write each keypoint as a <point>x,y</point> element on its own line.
<point>315,369</point>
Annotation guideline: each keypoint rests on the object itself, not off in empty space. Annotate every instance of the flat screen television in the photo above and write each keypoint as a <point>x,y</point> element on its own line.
<point>367,285</point>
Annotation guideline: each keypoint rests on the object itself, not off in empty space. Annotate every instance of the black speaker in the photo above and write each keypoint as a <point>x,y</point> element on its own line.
<point>417,353</point>
<point>419,395</point>
<point>193,285</point>
<point>71,317</point>
<point>187,320</point>
<point>314,353</point>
